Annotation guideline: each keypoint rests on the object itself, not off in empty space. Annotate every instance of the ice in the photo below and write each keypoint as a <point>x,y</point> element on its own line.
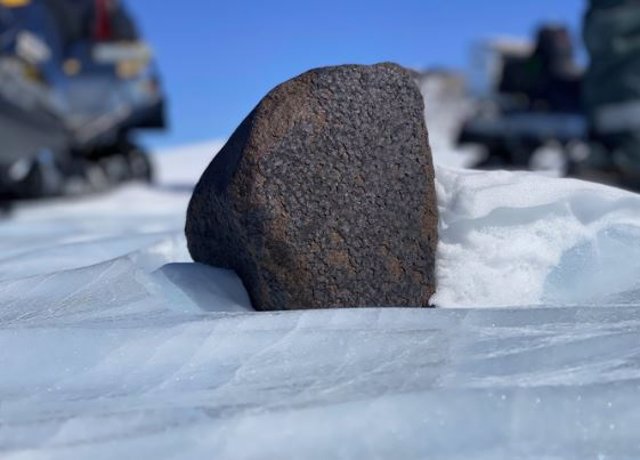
<point>357,383</point>
<point>604,269</point>
<point>189,285</point>
<point>114,345</point>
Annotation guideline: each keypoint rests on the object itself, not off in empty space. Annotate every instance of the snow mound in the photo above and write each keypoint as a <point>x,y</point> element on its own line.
<point>196,287</point>
<point>511,239</point>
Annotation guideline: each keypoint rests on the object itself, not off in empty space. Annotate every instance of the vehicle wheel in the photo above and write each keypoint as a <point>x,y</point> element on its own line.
<point>550,159</point>
<point>43,180</point>
<point>140,165</point>
<point>495,159</point>
<point>96,177</point>
<point>116,169</point>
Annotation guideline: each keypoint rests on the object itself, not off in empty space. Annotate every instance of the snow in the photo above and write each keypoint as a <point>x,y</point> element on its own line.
<point>511,239</point>
<point>114,345</point>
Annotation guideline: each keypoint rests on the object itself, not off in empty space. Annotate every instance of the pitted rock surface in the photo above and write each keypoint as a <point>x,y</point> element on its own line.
<point>324,195</point>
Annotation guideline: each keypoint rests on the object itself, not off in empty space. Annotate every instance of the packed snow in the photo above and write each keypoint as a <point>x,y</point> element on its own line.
<point>114,345</point>
<point>511,239</point>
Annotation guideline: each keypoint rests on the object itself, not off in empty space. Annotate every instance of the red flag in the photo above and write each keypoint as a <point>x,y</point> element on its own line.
<point>103,21</point>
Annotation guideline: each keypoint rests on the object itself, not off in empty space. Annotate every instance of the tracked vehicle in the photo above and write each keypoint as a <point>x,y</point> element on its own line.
<point>76,80</point>
<point>528,110</point>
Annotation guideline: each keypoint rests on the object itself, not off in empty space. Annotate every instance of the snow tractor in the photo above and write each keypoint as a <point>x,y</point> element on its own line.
<point>527,112</point>
<point>76,80</point>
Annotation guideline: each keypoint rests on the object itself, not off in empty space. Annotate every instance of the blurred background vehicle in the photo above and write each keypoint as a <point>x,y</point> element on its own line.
<point>76,79</point>
<point>611,34</point>
<point>535,107</point>
<point>528,103</point>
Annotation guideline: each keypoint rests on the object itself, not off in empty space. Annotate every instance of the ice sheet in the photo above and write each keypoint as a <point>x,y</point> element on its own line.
<point>147,381</point>
<point>114,345</point>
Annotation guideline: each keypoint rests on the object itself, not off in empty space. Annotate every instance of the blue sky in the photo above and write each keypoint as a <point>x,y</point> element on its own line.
<point>218,58</point>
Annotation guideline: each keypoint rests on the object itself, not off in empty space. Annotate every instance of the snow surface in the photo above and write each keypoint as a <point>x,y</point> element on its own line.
<point>510,239</point>
<point>114,345</point>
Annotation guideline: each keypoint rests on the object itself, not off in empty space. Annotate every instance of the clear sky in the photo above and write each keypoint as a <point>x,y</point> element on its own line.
<point>218,57</point>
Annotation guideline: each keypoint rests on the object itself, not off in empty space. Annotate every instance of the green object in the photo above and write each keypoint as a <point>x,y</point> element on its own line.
<point>612,82</point>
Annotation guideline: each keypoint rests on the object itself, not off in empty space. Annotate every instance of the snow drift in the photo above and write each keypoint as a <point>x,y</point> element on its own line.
<point>114,345</point>
<point>511,239</point>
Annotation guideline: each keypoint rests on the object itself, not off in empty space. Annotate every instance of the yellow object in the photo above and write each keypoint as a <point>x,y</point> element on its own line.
<point>129,69</point>
<point>14,3</point>
<point>72,67</point>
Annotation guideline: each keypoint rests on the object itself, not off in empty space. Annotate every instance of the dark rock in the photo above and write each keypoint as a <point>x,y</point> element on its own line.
<point>324,195</point>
